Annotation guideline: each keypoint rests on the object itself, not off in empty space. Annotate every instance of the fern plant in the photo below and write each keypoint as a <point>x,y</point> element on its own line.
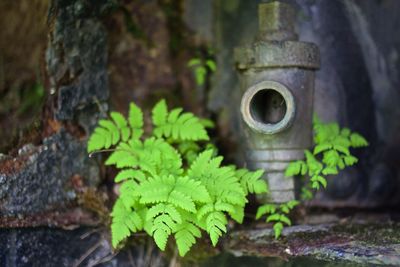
<point>330,154</point>
<point>278,214</point>
<point>201,68</point>
<point>169,185</point>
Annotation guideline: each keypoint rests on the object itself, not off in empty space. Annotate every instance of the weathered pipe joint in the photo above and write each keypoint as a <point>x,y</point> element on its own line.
<point>277,83</point>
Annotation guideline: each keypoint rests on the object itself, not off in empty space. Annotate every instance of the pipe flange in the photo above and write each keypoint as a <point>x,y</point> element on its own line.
<point>268,107</point>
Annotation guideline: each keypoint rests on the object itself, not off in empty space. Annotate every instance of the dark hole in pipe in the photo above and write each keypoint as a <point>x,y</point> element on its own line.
<point>268,106</point>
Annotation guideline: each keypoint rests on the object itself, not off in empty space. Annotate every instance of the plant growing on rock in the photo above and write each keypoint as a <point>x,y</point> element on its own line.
<point>169,185</point>
<point>330,155</point>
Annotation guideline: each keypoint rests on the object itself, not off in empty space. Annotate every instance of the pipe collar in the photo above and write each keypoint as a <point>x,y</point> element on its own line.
<point>268,107</point>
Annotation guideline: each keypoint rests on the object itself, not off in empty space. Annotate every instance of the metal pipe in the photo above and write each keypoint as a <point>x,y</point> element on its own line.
<point>277,83</point>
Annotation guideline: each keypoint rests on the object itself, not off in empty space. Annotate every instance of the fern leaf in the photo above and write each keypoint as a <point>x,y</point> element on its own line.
<point>185,237</point>
<point>274,217</point>
<point>294,168</point>
<point>154,189</point>
<point>283,218</point>
<point>211,65</point>
<point>221,206</point>
<point>160,233</point>
<point>204,210</point>
<point>163,226</point>
<point>357,140</point>
<point>237,214</point>
<point>128,193</point>
<point>101,138</point>
<point>322,147</point>
<point>160,113</point>
<point>329,170</point>
<point>176,125</point>
<point>265,209</point>
<point>129,174</point>
<point>112,129</point>
<point>331,158</point>
<point>292,203</point>
<point>251,182</point>
<point>193,189</point>
<point>122,158</point>
<point>119,119</point>
<point>164,208</point>
<point>181,200</point>
<point>124,221</point>
<point>319,179</point>
<point>350,160</point>
<point>278,227</point>
<point>200,163</point>
<point>216,225</point>
<point>135,119</point>
<point>193,62</point>
<point>159,158</point>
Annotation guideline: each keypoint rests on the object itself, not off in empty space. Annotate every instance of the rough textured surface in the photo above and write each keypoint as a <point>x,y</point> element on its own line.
<point>42,181</point>
<point>80,247</point>
<point>352,244</point>
<point>77,56</point>
<point>40,178</point>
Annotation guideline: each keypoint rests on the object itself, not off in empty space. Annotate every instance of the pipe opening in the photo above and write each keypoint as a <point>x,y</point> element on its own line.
<point>268,106</point>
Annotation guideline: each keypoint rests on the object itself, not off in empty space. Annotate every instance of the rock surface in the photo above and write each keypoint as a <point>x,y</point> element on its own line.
<point>54,247</point>
<point>362,244</point>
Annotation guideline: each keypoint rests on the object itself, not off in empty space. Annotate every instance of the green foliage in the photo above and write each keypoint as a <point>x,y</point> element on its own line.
<point>201,68</point>
<point>171,183</point>
<point>330,154</point>
<point>277,214</point>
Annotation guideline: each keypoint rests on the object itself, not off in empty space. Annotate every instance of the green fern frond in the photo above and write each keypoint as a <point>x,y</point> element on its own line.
<point>265,209</point>
<point>130,174</point>
<point>175,125</point>
<point>162,194</point>
<point>154,190</point>
<point>216,225</point>
<point>165,189</point>
<point>109,132</point>
<point>185,236</point>
<point>123,156</point>
<point>194,189</point>
<point>135,120</point>
<point>204,210</point>
<point>160,113</point>
<point>251,182</point>
<point>128,194</point>
<point>161,208</point>
<point>237,214</point>
<point>124,222</point>
<point>161,230</point>
<point>182,200</point>
<point>357,140</point>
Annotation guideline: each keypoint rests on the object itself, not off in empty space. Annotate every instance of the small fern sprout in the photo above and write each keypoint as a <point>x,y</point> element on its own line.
<point>172,183</point>
<point>330,155</point>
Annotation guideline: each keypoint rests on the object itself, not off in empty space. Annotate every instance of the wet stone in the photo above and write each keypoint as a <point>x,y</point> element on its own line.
<point>54,247</point>
<point>45,182</point>
<point>356,244</point>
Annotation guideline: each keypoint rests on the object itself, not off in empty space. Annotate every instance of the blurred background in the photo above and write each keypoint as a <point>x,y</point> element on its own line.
<point>64,63</point>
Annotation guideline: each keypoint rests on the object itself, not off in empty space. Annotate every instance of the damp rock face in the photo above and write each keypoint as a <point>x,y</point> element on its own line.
<point>41,183</point>
<point>39,178</point>
<point>341,245</point>
<point>77,56</point>
<point>80,247</point>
